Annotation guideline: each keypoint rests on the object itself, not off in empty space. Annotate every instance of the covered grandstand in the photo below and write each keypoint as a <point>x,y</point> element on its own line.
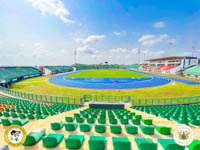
<point>193,72</point>
<point>55,69</point>
<point>170,64</point>
<point>13,74</point>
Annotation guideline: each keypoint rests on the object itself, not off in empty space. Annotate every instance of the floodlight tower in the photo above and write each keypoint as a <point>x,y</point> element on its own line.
<point>144,57</point>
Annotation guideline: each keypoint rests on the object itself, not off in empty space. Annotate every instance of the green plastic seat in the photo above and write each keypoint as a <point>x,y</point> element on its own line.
<point>85,127</point>
<point>90,120</point>
<point>102,120</point>
<point>116,129</point>
<point>19,122</point>
<point>138,116</point>
<point>30,116</point>
<point>170,144</point>
<point>131,129</point>
<point>174,117</point>
<point>129,117</point>
<point>147,121</point>
<point>184,121</point>
<point>100,128</point>
<point>85,115</point>
<point>97,142</point>
<point>70,126</point>
<point>52,140</point>
<point>8,109</point>
<point>195,122</point>
<point>135,121</point>
<point>195,145</point>
<point>79,120</point>
<point>14,115</point>
<point>163,130</point>
<point>41,117</point>
<point>146,144</point>
<point>124,121</point>
<point>74,141</point>
<point>147,130</point>
<point>69,119</point>
<point>22,116</point>
<point>121,143</point>
<point>33,138</point>
<point>113,121</point>
<point>6,114</point>
<point>6,122</point>
<point>57,125</point>
<point>76,115</point>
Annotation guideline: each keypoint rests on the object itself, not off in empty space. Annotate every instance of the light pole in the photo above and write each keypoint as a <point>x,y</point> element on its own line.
<point>144,57</point>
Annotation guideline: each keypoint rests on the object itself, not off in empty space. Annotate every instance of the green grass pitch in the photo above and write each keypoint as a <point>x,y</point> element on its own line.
<point>107,74</point>
<point>40,85</point>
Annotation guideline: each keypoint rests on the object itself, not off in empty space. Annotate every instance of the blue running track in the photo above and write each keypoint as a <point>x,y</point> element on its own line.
<point>108,83</point>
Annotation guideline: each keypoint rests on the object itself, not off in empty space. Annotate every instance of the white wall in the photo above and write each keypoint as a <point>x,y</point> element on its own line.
<point>47,71</point>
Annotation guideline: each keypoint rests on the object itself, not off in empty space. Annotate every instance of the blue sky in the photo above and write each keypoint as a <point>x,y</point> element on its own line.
<point>46,32</point>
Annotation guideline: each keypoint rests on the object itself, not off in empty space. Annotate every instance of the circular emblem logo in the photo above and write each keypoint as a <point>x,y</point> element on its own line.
<point>183,135</point>
<point>15,135</point>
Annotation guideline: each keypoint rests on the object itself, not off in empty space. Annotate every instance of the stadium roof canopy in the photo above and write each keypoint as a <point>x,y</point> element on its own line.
<point>171,57</point>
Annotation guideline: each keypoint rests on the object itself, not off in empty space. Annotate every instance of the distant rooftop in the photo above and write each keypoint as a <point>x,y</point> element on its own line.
<point>171,57</point>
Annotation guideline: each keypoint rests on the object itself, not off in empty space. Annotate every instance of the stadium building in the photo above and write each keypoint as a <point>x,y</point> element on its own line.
<point>171,64</point>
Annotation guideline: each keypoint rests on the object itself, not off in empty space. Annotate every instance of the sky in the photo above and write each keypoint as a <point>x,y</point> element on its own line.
<point>50,32</point>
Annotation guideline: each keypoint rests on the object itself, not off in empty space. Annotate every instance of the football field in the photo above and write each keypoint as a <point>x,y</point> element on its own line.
<point>107,74</point>
<point>40,85</point>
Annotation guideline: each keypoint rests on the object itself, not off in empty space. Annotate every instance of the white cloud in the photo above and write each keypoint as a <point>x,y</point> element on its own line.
<point>84,44</point>
<point>52,7</point>
<point>150,53</point>
<point>90,39</point>
<point>146,37</point>
<point>117,33</point>
<point>82,48</point>
<point>87,50</point>
<point>150,40</point>
<point>159,25</point>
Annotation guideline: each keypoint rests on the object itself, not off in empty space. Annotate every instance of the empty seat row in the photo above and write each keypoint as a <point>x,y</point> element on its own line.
<point>113,128</point>
<point>100,142</point>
